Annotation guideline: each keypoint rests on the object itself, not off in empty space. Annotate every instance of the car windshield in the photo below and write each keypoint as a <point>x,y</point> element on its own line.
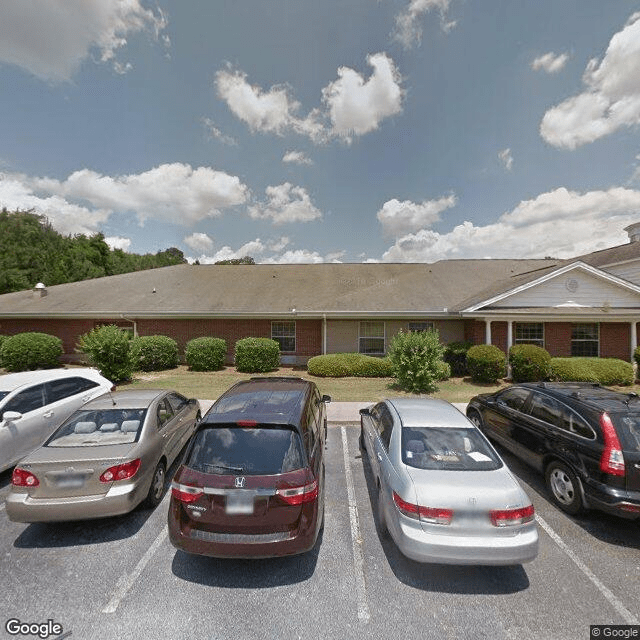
<point>99,427</point>
<point>628,426</point>
<point>261,450</point>
<point>447,448</point>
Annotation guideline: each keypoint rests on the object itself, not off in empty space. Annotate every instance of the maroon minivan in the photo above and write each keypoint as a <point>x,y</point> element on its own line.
<point>251,484</point>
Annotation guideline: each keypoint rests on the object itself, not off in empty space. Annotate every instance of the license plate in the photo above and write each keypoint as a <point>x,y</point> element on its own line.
<point>239,504</point>
<point>72,481</point>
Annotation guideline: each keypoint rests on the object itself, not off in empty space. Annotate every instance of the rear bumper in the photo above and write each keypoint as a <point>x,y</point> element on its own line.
<point>421,546</point>
<point>617,502</point>
<point>118,500</point>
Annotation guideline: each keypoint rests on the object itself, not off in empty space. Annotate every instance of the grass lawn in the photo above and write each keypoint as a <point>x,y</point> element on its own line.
<point>211,384</point>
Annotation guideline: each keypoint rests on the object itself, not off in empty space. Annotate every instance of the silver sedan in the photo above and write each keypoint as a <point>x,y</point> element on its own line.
<point>108,457</point>
<point>443,492</point>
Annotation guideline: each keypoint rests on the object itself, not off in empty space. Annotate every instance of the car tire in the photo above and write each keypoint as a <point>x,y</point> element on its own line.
<point>564,487</point>
<point>382,523</point>
<point>156,490</point>
<point>475,417</point>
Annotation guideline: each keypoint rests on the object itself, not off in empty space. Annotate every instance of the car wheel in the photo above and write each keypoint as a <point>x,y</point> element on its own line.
<point>475,418</point>
<point>564,487</point>
<point>382,523</point>
<point>156,490</point>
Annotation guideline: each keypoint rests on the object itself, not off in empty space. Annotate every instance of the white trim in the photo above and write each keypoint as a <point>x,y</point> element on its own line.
<point>603,275</point>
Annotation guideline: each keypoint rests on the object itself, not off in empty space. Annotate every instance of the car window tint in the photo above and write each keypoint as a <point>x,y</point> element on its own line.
<point>447,449</point>
<point>99,427</point>
<point>628,427</point>
<point>27,400</point>
<point>386,425</point>
<point>547,409</point>
<point>574,423</point>
<point>262,450</point>
<point>515,397</point>
<point>165,413</point>
<point>66,387</point>
<point>178,402</point>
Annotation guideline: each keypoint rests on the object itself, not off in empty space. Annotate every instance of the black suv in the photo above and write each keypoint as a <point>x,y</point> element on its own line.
<point>583,437</point>
<point>251,484</point>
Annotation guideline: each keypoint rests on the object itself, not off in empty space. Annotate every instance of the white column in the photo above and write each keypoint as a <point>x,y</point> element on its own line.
<point>487,331</point>
<point>509,334</point>
<point>634,338</point>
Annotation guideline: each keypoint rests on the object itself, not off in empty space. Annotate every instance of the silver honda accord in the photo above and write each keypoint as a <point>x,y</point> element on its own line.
<point>443,492</point>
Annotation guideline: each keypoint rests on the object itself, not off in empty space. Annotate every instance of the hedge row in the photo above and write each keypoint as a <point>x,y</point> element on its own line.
<point>342,365</point>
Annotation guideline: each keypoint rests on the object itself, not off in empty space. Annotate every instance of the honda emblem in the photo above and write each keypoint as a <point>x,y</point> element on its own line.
<point>240,480</point>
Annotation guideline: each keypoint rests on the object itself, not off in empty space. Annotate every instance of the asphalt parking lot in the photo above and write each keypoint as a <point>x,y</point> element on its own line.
<point>121,578</point>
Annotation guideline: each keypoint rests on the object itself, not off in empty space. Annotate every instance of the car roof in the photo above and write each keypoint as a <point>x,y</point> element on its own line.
<point>428,412</point>
<point>11,381</point>
<point>269,399</point>
<point>127,399</point>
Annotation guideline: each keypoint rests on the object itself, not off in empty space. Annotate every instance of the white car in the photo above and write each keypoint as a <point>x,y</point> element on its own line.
<point>33,404</point>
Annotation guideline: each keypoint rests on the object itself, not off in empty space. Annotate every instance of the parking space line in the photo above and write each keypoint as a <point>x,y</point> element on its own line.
<point>356,537</point>
<point>628,617</point>
<point>126,581</point>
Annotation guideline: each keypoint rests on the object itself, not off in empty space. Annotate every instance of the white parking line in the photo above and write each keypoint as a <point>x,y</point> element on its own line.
<point>356,538</point>
<point>126,581</point>
<point>628,617</point>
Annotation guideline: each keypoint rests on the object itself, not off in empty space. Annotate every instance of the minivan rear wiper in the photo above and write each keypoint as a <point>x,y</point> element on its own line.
<point>224,466</point>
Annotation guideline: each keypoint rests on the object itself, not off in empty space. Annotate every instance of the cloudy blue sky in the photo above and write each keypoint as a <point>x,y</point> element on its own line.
<point>341,130</point>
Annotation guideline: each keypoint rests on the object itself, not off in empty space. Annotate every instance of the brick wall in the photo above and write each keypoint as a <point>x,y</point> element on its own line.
<point>557,339</point>
<point>615,340</point>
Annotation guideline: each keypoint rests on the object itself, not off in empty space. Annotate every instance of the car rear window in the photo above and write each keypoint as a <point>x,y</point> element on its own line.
<point>628,429</point>
<point>253,451</point>
<point>447,448</point>
<point>99,427</point>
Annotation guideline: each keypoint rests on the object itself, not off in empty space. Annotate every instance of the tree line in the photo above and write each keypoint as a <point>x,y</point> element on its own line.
<point>32,251</point>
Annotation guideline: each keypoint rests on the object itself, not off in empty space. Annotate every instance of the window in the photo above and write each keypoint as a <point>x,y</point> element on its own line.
<point>585,340</point>
<point>178,402</point>
<point>284,333</point>
<point>421,326</point>
<point>371,339</point>
<point>514,398</point>
<point>27,400</point>
<point>547,409</point>
<point>530,333</point>
<point>165,413</point>
<point>66,387</point>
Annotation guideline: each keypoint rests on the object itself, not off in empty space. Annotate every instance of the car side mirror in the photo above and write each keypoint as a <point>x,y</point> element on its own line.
<point>10,416</point>
<point>326,398</point>
<point>365,412</point>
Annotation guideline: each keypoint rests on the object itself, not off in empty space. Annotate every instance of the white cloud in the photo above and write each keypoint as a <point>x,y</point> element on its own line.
<point>170,192</point>
<point>299,256</point>
<point>506,158</point>
<point>558,223</point>
<point>398,218</point>
<point>357,106</point>
<point>279,244</point>
<point>51,39</point>
<point>408,30</point>
<point>199,242</point>
<point>611,99</point>
<point>296,157</point>
<point>550,62</point>
<point>118,242</point>
<point>215,134</point>
<point>66,217</point>
<point>252,248</point>
<point>270,111</point>
<point>285,203</point>
<point>353,106</point>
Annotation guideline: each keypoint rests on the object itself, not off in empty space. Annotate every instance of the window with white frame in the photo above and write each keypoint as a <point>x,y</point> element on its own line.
<point>284,333</point>
<point>371,337</point>
<point>529,333</point>
<point>585,339</point>
<point>420,326</point>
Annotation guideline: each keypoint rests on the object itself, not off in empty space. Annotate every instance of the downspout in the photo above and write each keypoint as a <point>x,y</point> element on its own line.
<point>324,334</point>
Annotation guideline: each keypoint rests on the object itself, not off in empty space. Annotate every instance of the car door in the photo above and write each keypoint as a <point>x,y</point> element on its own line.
<point>66,395</point>
<point>20,437</point>
<point>504,414</point>
<point>169,428</point>
<point>185,416</point>
<point>385,427</point>
<point>372,427</point>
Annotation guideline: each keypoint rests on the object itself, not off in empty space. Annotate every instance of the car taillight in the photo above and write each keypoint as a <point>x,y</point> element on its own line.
<point>511,517</point>
<point>185,492</point>
<point>23,478</point>
<point>612,460</point>
<point>298,495</point>
<point>432,515</point>
<point>121,471</point>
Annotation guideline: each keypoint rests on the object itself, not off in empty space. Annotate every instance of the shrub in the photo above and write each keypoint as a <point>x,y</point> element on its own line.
<point>636,356</point>
<point>29,351</point>
<point>486,363</point>
<point>606,371</point>
<point>455,353</point>
<point>108,348</point>
<point>340,365</point>
<point>205,354</point>
<point>529,363</point>
<point>2,339</point>
<point>154,353</point>
<point>417,360</point>
<point>257,355</point>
